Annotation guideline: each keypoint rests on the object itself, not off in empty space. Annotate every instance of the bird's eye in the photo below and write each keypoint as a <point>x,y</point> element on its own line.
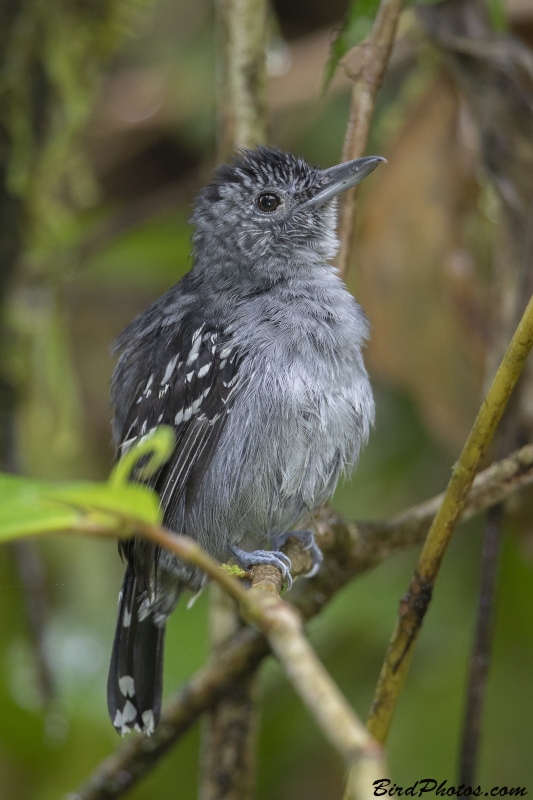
<point>268,201</point>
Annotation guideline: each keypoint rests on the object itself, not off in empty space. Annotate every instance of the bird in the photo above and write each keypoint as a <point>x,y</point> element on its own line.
<point>255,358</point>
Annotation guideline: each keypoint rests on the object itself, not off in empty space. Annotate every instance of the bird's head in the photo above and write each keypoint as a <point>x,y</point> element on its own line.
<point>268,211</point>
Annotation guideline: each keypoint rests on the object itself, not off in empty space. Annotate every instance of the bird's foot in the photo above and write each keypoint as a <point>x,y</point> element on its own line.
<point>307,538</point>
<point>273,557</point>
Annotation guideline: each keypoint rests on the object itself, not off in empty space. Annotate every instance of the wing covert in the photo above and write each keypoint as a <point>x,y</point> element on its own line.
<point>191,387</point>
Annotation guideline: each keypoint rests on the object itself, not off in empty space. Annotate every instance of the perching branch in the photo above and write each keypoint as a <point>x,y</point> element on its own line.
<point>366,65</point>
<point>281,624</point>
<point>350,549</point>
<point>414,604</point>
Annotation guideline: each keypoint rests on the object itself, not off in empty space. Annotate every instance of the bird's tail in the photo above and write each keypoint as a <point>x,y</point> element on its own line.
<point>134,684</point>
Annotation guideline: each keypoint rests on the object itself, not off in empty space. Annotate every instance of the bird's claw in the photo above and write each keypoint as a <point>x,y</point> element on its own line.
<point>307,538</point>
<point>274,558</point>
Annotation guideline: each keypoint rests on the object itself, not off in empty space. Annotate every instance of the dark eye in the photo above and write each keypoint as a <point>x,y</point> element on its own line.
<point>268,202</point>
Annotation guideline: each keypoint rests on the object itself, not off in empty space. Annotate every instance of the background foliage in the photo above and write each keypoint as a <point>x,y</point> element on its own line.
<point>141,141</point>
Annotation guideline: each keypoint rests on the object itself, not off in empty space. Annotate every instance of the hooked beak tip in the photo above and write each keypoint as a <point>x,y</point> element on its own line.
<point>342,177</point>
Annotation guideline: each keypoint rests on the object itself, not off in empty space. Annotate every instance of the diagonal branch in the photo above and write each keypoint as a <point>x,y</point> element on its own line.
<point>414,604</point>
<point>350,549</point>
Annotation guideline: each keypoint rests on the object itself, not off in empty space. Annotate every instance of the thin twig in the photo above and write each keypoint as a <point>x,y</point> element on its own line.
<point>371,59</point>
<point>480,659</point>
<point>414,604</point>
<point>350,549</point>
<point>31,572</point>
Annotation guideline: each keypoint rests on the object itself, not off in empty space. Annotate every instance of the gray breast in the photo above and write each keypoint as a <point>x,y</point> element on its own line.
<point>300,420</point>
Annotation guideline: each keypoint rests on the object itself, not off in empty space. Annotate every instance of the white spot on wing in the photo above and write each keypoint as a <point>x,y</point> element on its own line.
<point>227,384</point>
<point>125,446</point>
<point>169,370</point>
<point>195,349</point>
<point>196,405</point>
<point>178,419</point>
<point>204,370</point>
<point>147,435</point>
<point>126,619</point>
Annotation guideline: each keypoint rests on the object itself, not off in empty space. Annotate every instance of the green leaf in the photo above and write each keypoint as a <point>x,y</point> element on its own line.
<point>356,27</point>
<point>498,15</point>
<point>158,446</point>
<point>131,501</point>
<point>24,511</point>
<point>31,507</point>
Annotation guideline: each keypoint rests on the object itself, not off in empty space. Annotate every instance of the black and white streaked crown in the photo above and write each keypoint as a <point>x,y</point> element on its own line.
<point>266,166</point>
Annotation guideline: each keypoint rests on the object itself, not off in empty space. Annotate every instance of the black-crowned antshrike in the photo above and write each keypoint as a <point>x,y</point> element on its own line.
<point>255,359</point>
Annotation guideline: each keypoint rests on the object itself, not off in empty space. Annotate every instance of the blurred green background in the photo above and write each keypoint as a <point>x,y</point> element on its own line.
<point>104,233</point>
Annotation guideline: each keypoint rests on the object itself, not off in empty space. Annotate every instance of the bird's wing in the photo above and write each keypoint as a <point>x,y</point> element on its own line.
<point>191,386</point>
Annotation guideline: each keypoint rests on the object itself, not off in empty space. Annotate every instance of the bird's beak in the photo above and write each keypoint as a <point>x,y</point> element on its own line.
<point>342,177</point>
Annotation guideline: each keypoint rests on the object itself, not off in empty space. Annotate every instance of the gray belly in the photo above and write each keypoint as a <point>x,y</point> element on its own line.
<point>286,441</point>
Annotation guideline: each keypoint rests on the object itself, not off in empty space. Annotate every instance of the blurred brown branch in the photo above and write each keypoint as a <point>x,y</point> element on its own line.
<point>366,65</point>
<point>242,74</point>
<point>350,548</point>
